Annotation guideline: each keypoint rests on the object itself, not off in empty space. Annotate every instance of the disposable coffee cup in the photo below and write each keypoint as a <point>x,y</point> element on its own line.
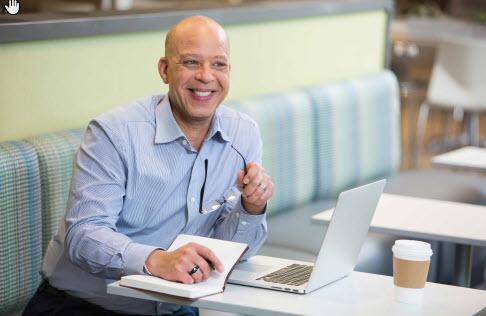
<point>411,260</point>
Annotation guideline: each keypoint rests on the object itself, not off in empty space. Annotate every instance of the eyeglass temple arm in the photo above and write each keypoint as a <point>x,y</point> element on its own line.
<point>244,161</point>
<point>201,195</point>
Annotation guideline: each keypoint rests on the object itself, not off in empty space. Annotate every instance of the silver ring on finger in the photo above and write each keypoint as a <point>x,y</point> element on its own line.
<point>194,270</point>
<point>262,187</point>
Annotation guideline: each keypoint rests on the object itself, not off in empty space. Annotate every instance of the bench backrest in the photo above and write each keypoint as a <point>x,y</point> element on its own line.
<point>20,224</point>
<point>318,141</point>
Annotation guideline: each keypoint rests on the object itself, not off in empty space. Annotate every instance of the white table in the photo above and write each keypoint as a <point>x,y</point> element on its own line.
<point>358,294</point>
<point>473,158</point>
<point>429,219</point>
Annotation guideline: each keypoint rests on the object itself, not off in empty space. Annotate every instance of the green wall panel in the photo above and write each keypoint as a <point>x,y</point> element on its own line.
<point>51,85</point>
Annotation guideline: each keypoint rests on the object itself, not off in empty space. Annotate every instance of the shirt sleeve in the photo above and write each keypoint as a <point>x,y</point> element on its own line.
<point>235,223</point>
<point>94,204</point>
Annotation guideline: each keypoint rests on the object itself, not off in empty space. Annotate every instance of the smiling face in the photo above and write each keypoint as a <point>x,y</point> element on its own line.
<point>196,67</point>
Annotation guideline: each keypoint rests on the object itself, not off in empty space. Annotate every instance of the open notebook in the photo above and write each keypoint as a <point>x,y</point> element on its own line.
<point>228,252</point>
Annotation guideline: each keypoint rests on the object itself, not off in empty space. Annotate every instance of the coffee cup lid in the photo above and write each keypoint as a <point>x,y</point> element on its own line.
<point>412,249</point>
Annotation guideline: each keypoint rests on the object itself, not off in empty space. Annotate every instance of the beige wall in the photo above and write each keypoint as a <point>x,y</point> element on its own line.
<point>56,84</point>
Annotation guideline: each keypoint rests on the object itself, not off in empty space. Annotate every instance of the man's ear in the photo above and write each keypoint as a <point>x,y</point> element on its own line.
<point>163,69</point>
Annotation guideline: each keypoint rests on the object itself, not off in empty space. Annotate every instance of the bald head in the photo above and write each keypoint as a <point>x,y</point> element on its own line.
<point>200,26</point>
<point>196,66</point>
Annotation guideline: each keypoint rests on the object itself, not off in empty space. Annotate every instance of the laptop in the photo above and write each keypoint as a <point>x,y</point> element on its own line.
<point>337,257</point>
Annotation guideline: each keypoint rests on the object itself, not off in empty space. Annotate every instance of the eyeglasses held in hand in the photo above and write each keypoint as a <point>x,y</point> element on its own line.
<point>216,204</point>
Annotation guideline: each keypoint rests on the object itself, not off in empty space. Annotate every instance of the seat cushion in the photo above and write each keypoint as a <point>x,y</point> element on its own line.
<point>293,228</point>
<point>439,184</point>
<point>20,225</point>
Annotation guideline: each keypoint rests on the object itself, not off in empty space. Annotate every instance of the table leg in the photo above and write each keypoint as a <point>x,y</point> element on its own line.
<point>463,265</point>
<point>473,128</point>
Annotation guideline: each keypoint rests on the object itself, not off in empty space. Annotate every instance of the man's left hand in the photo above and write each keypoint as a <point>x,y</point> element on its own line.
<point>256,188</point>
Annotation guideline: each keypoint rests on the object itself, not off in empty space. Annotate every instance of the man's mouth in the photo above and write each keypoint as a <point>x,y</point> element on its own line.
<point>202,94</point>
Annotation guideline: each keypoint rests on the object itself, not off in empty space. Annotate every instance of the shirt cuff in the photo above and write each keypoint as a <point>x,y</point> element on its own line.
<point>136,255</point>
<point>248,220</point>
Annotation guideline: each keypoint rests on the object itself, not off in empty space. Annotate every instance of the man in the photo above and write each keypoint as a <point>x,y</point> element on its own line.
<point>145,173</point>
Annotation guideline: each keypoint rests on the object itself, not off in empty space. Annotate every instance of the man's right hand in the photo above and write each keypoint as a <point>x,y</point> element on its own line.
<point>175,265</point>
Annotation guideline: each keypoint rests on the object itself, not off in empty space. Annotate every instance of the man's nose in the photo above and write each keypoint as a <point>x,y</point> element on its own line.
<point>205,74</point>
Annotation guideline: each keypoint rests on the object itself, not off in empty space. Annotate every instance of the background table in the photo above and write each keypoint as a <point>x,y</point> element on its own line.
<point>358,294</point>
<point>430,219</point>
<point>469,157</point>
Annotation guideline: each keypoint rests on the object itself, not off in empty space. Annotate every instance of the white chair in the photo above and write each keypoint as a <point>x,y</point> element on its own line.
<point>458,83</point>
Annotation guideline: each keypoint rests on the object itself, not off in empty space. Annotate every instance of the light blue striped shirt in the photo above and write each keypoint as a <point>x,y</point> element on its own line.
<point>136,185</point>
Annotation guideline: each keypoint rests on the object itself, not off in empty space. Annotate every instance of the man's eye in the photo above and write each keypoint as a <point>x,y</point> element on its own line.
<point>220,65</point>
<point>190,62</point>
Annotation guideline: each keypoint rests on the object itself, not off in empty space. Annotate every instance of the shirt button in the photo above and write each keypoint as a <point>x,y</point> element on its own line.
<point>244,223</point>
<point>193,199</point>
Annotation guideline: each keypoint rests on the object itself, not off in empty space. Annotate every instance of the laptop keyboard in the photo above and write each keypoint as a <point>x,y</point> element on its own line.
<point>294,274</point>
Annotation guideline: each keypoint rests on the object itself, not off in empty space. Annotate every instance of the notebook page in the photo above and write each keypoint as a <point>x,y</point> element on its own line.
<point>228,252</point>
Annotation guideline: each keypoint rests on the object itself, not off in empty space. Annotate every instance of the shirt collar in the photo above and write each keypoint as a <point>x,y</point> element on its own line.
<point>216,127</point>
<point>167,129</point>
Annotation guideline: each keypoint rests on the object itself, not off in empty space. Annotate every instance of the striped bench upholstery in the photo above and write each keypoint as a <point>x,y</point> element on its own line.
<point>320,140</point>
<point>288,145</point>
<point>55,153</point>
<point>20,225</point>
<point>357,132</point>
